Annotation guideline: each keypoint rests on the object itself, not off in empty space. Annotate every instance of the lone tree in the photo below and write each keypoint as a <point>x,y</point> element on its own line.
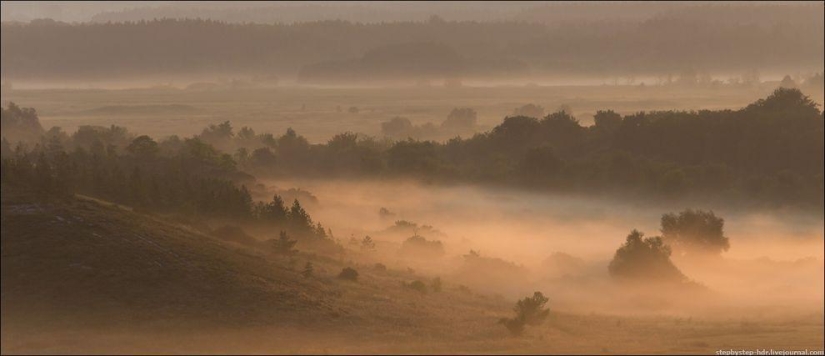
<point>283,245</point>
<point>642,259</point>
<point>695,232</point>
<point>367,244</point>
<point>529,311</point>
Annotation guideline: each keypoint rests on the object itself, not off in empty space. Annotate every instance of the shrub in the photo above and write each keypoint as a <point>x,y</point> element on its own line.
<point>515,325</point>
<point>367,244</point>
<point>417,285</point>
<point>529,311</point>
<point>348,274</point>
<point>436,284</point>
<point>419,247</point>
<point>380,267</point>
<point>643,260</point>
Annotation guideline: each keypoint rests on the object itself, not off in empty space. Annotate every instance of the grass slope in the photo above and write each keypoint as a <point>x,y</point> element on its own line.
<point>89,277</point>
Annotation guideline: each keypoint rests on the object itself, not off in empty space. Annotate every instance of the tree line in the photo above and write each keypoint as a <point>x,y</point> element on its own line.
<point>179,177</point>
<point>324,50</point>
<point>770,152</point>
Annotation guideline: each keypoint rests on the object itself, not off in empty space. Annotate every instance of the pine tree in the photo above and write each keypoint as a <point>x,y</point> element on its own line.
<point>367,243</point>
<point>283,245</point>
<point>299,220</point>
<point>275,212</point>
<point>320,232</point>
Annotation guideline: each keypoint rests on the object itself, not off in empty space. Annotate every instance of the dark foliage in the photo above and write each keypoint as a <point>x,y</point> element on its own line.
<point>769,153</point>
<point>283,245</point>
<point>417,286</point>
<point>348,274</point>
<point>642,260</point>
<point>419,247</point>
<point>695,232</point>
<point>529,311</point>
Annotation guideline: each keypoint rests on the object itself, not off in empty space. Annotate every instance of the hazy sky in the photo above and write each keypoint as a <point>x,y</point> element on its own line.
<point>359,11</point>
<point>81,11</point>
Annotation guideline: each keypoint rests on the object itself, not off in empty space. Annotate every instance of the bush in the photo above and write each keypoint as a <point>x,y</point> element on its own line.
<point>529,311</point>
<point>436,285</point>
<point>642,259</point>
<point>515,325</point>
<point>380,267</point>
<point>419,247</point>
<point>348,274</point>
<point>417,285</point>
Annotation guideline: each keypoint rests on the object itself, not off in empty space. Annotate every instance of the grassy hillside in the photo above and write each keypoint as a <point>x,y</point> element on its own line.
<point>85,276</point>
<point>81,265</point>
<point>85,257</point>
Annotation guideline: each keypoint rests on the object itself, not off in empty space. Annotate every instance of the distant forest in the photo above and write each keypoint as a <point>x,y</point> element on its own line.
<point>728,39</point>
<point>770,153</point>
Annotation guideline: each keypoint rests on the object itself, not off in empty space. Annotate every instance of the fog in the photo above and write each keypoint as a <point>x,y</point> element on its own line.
<point>775,259</point>
<point>385,177</point>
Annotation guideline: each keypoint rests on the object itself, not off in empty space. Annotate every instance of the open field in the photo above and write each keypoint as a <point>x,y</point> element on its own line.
<point>320,113</point>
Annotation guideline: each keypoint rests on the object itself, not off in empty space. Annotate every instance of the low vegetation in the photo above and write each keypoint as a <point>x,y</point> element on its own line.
<point>348,274</point>
<point>530,311</point>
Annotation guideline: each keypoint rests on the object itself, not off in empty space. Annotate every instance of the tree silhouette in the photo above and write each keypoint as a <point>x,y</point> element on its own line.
<point>283,245</point>
<point>642,259</point>
<point>349,274</point>
<point>693,232</point>
<point>460,119</point>
<point>143,147</point>
<point>788,101</point>
<point>529,311</point>
<point>367,243</point>
<point>299,220</point>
